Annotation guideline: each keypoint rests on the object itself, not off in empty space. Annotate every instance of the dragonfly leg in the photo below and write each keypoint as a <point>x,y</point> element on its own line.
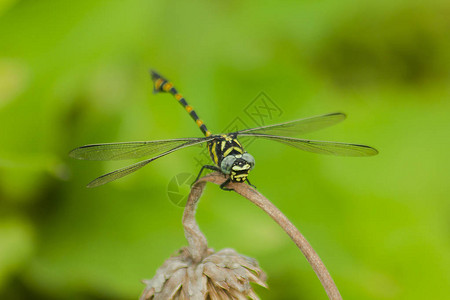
<point>249,183</point>
<point>222,186</point>
<point>209,167</point>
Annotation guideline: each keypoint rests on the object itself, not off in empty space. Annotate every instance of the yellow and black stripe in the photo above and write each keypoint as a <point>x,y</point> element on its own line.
<point>222,146</point>
<point>160,84</point>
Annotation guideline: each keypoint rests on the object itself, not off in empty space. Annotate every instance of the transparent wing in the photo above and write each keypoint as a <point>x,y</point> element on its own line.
<point>117,174</point>
<point>132,168</point>
<point>297,127</point>
<point>120,151</point>
<point>324,147</point>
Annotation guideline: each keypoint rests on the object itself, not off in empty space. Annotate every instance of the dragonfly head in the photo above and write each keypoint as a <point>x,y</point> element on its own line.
<point>238,166</point>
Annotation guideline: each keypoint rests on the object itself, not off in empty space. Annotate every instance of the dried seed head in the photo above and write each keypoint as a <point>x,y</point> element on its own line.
<point>221,275</point>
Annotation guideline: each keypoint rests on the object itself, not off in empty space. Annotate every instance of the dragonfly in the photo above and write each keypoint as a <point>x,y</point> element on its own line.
<point>226,151</point>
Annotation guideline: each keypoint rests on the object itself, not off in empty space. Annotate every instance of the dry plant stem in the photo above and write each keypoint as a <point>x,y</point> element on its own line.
<point>198,246</point>
<point>196,238</point>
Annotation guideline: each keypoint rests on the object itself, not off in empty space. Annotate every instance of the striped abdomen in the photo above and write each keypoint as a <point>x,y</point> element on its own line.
<point>163,85</point>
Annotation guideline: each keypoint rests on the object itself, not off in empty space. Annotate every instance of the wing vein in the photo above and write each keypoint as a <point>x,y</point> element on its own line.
<point>323,147</point>
<point>128,150</point>
<point>132,168</point>
<point>297,127</point>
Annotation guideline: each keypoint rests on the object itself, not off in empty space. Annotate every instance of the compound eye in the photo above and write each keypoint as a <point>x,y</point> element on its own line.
<point>227,163</point>
<point>249,159</point>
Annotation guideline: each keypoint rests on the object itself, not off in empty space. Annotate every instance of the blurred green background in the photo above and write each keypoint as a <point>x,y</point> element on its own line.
<point>74,73</point>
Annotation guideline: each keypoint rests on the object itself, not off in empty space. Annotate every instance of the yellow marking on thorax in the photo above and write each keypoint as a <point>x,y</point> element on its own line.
<point>226,153</point>
<point>178,97</point>
<point>222,146</point>
<point>208,145</point>
<point>213,151</point>
<point>188,108</point>
<point>226,137</point>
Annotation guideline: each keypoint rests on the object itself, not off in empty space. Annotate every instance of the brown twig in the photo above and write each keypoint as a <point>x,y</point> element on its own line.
<point>197,241</point>
<point>198,246</point>
<point>199,272</point>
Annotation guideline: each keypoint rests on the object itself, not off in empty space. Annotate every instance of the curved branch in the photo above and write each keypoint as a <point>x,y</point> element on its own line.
<point>193,233</point>
<point>198,246</point>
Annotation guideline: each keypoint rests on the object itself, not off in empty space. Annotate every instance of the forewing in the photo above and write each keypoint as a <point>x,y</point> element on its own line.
<point>297,127</point>
<point>132,168</point>
<point>325,147</point>
<point>128,150</point>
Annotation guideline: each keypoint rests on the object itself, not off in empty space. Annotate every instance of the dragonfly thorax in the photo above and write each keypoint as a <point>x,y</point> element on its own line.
<point>237,166</point>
